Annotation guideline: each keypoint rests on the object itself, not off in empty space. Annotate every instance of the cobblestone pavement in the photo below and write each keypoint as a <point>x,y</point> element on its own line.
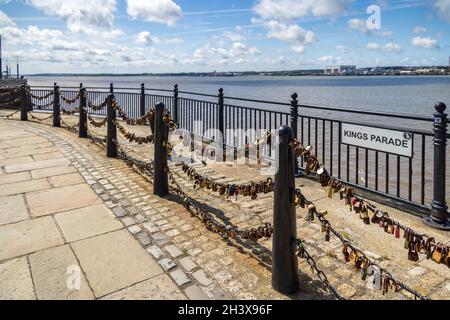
<point>67,204</point>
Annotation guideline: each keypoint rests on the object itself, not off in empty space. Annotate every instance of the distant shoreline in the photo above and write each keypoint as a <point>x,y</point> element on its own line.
<point>228,76</point>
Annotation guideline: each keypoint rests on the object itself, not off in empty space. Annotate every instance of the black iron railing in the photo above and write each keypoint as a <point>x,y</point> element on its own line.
<point>406,181</point>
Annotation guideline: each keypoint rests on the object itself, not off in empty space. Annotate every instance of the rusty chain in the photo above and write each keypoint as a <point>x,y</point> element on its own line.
<point>95,107</point>
<point>415,242</point>
<point>144,120</point>
<point>40,97</point>
<point>72,100</point>
<point>40,107</point>
<point>97,124</point>
<point>304,254</point>
<point>357,256</point>
<point>132,136</point>
<point>251,189</point>
<point>68,126</point>
<point>11,114</point>
<point>223,230</point>
<point>71,112</point>
<point>39,119</point>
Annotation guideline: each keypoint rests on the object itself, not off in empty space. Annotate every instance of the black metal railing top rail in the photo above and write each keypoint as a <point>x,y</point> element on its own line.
<point>119,90</point>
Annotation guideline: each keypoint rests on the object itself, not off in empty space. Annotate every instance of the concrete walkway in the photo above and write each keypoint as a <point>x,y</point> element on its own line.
<point>53,227</point>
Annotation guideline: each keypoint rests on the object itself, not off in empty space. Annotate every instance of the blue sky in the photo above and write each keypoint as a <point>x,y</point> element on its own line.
<point>204,35</point>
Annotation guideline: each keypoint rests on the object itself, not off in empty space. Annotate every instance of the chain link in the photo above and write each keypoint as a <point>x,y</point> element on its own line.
<point>415,242</point>
<point>97,124</point>
<point>357,256</point>
<point>251,189</point>
<point>40,119</point>
<point>304,254</point>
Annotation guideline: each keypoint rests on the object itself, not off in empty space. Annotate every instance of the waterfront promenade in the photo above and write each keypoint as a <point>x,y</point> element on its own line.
<point>64,204</point>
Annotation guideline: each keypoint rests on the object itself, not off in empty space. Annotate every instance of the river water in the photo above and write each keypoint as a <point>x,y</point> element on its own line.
<point>397,94</point>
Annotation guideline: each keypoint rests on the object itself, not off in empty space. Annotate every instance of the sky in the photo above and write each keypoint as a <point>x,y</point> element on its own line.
<point>158,36</point>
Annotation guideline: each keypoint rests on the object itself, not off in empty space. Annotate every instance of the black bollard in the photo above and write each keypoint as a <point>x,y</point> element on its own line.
<point>175,104</point>
<point>439,216</point>
<point>56,107</point>
<point>160,178</point>
<point>83,133</point>
<point>23,103</point>
<point>111,143</point>
<point>284,259</point>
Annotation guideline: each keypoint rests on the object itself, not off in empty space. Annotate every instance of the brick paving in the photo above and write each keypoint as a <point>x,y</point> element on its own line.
<point>68,205</point>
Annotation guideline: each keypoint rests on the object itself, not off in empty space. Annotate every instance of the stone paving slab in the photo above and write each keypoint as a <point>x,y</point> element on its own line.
<point>15,280</point>
<point>114,261</point>
<point>87,222</point>
<point>157,288</point>
<point>13,209</point>
<point>14,177</point>
<point>24,187</point>
<point>52,172</point>
<point>48,156</point>
<point>61,199</point>
<point>28,236</point>
<point>36,165</point>
<point>15,152</point>
<point>26,141</point>
<point>51,269</point>
<point>66,180</point>
<point>14,161</point>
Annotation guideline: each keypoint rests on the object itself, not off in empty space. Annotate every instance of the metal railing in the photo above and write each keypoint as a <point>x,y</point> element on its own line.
<point>405,181</point>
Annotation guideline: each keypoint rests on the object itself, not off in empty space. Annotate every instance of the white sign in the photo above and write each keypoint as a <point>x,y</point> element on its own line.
<point>385,140</point>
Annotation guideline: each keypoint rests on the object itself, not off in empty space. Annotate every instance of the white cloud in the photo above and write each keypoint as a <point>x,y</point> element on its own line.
<point>420,29</point>
<point>291,33</point>
<point>358,24</point>
<point>373,46</point>
<point>236,53</point>
<point>294,9</point>
<point>237,35</point>
<point>329,60</point>
<point>160,11</point>
<point>79,14</point>
<point>5,20</point>
<point>443,9</point>
<point>391,46</point>
<point>424,42</point>
<point>385,33</point>
<point>145,38</point>
<point>341,48</point>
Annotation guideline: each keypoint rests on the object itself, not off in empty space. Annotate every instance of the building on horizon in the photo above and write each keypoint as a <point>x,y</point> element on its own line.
<point>340,70</point>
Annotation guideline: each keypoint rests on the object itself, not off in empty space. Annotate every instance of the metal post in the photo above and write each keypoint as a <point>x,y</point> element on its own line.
<point>23,103</point>
<point>175,104</point>
<point>111,88</point>
<point>160,178</point>
<point>439,218</point>
<point>111,147</point>
<point>221,111</point>
<point>83,114</point>
<point>284,260</point>
<point>142,100</point>
<point>56,107</point>
<point>294,123</point>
